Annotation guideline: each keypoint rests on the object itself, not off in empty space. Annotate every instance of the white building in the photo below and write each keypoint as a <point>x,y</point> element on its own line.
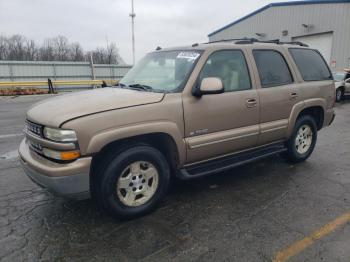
<point>324,25</point>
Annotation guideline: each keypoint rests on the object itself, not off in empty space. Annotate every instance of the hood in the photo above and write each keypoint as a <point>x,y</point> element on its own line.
<point>54,111</point>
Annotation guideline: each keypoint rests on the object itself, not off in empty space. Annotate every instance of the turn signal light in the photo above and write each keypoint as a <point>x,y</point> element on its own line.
<point>70,155</point>
<point>61,155</point>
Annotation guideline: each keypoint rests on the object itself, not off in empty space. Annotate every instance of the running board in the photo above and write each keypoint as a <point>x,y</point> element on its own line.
<point>224,163</point>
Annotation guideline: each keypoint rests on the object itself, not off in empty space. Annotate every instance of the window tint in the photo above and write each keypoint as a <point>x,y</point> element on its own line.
<point>230,66</point>
<point>311,65</point>
<point>273,69</point>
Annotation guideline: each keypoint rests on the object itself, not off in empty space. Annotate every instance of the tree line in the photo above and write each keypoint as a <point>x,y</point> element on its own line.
<point>19,48</point>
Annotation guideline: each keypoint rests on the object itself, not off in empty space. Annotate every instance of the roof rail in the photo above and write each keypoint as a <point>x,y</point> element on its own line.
<point>296,43</point>
<point>254,40</point>
<point>229,40</point>
<point>247,40</point>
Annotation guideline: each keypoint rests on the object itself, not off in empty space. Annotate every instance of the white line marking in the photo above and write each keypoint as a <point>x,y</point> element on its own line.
<point>11,135</point>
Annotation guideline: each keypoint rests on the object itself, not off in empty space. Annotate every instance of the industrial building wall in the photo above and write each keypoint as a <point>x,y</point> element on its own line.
<point>324,18</point>
<point>36,71</point>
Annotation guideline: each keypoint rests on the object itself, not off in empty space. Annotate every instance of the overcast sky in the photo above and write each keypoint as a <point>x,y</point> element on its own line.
<point>158,23</point>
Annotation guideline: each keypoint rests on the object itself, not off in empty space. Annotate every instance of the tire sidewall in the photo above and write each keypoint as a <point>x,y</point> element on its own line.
<point>110,199</point>
<point>304,120</point>
<point>337,92</point>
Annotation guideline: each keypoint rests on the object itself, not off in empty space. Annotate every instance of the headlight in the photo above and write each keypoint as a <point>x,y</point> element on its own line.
<point>60,135</point>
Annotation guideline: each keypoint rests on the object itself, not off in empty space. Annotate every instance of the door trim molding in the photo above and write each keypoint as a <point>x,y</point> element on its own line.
<point>222,136</point>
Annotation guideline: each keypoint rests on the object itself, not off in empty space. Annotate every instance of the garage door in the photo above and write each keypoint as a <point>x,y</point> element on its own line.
<point>321,42</point>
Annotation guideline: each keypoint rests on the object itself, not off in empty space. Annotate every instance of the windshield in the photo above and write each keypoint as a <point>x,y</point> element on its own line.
<point>164,71</point>
<point>338,76</point>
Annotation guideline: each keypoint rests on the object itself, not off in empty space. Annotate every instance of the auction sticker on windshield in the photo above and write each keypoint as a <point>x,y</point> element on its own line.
<point>188,55</point>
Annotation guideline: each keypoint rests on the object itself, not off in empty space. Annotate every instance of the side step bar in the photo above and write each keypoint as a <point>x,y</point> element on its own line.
<point>228,162</point>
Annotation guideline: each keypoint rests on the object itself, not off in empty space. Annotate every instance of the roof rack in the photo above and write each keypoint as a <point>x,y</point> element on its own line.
<point>228,40</point>
<point>296,43</point>
<point>247,40</point>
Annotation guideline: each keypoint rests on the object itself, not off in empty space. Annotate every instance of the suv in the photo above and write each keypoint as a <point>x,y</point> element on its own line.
<point>181,112</point>
<point>342,83</point>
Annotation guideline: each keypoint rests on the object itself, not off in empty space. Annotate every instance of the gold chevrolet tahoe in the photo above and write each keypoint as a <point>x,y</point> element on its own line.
<point>182,112</point>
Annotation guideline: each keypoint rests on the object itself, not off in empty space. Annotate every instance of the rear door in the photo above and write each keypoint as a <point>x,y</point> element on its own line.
<point>278,93</point>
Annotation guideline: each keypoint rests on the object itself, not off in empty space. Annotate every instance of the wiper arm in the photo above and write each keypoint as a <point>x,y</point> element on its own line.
<point>120,84</point>
<point>142,87</point>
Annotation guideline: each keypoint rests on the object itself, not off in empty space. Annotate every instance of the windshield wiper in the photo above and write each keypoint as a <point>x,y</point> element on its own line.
<point>120,85</point>
<point>142,87</point>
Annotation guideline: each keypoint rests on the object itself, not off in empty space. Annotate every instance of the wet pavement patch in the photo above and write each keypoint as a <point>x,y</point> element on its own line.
<point>141,240</point>
<point>11,155</point>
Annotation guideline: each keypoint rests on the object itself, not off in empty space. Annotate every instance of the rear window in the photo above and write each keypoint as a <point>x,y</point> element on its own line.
<point>273,69</point>
<point>311,64</point>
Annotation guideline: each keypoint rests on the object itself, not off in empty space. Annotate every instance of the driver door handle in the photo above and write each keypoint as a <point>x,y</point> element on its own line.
<point>293,96</point>
<point>251,102</point>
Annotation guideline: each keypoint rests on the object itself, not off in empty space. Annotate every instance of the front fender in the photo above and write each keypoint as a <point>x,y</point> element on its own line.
<point>103,138</point>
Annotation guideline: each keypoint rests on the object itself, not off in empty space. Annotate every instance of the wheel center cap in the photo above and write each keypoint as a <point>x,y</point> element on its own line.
<point>137,182</point>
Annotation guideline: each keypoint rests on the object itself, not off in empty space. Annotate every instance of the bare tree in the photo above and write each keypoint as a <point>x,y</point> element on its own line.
<point>61,47</point>
<point>3,48</point>
<point>30,50</point>
<point>76,52</point>
<point>18,47</point>
<point>46,52</point>
<point>99,55</point>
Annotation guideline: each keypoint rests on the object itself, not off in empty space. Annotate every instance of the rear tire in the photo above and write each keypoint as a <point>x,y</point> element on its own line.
<point>133,182</point>
<point>303,140</point>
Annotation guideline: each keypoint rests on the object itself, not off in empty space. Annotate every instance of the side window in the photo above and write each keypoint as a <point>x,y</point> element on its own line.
<point>231,67</point>
<point>311,65</point>
<point>273,69</point>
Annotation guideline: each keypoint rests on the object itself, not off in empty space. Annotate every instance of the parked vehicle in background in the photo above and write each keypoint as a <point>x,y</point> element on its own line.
<point>186,112</point>
<point>342,83</point>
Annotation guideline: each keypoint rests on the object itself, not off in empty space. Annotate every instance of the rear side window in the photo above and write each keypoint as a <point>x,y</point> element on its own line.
<point>311,65</point>
<point>273,69</point>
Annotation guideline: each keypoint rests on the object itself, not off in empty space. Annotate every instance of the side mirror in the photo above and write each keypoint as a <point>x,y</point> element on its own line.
<point>347,81</point>
<point>209,86</point>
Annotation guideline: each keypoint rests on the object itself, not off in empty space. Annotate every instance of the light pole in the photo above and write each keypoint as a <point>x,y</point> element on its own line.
<point>132,15</point>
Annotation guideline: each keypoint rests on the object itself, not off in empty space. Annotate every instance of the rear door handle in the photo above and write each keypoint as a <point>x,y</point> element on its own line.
<point>293,96</point>
<point>251,102</point>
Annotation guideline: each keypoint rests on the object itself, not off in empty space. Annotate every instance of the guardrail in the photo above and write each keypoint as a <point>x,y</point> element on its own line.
<point>56,83</point>
<point>10,88</point>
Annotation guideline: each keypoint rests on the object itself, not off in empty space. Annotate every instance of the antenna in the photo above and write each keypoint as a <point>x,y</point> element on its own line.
<point>132,15</point>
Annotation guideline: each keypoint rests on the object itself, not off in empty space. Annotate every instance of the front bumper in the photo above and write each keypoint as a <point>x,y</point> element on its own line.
<point>70,180</point>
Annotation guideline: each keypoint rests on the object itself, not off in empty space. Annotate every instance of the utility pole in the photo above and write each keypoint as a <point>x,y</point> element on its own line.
<point>132,15</point>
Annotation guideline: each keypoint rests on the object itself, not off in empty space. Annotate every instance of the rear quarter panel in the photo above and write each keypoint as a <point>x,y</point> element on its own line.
<point>313,93</point>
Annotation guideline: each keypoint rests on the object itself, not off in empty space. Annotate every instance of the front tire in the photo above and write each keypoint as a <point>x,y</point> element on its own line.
<point>303,140</point>
<point>133,182</point>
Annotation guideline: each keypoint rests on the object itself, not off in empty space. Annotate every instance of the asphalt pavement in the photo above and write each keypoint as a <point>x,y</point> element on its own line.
<point>265,211</point>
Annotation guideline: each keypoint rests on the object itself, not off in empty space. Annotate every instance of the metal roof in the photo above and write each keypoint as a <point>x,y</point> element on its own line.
<point>309,2</point>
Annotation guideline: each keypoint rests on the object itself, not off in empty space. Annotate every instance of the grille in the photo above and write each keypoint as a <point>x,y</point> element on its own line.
<point>36,147</point>
<point>34,128</point>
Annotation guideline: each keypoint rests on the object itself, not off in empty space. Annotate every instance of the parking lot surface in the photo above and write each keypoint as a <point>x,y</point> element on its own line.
<point>250,213</point>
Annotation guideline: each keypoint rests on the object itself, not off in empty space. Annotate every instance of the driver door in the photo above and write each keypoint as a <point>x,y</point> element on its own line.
<point>219,124</point>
